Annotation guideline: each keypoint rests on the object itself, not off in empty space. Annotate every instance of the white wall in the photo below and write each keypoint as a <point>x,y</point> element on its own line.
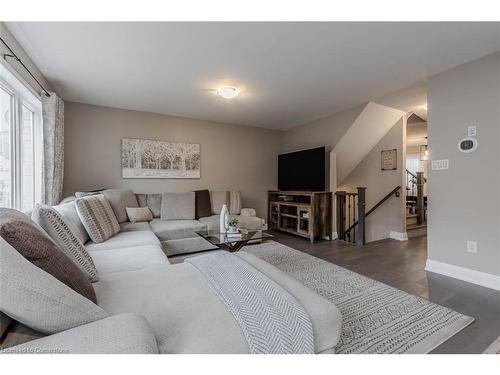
<point>19,51</point>
<point>464,201</point>
<point>232,157</point>
<point>391,215</point>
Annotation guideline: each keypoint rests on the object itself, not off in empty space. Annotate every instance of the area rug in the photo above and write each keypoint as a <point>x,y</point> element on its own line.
<point>494,348</point>
<point>376,318</point>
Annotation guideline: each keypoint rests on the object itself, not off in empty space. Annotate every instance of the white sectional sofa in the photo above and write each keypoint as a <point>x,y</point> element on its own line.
<point>144,304</point>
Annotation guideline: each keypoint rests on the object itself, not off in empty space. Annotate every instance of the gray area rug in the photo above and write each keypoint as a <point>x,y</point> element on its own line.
<point>376,318</point>
<point>494,348</point>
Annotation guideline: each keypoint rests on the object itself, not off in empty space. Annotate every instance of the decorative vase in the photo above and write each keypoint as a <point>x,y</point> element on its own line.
<point>224,218</point>
<point>233,229</point>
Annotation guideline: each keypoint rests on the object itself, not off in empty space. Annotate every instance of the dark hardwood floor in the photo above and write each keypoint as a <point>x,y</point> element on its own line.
<point>401,265</point>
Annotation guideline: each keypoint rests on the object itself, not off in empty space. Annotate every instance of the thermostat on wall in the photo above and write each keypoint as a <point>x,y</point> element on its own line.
<point>468,144</point>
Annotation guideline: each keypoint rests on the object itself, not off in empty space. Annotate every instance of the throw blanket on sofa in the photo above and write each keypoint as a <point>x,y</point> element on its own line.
<point>271,319</point>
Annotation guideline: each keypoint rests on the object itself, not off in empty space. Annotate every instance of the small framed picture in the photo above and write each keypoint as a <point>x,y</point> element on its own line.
<point>389,160</point>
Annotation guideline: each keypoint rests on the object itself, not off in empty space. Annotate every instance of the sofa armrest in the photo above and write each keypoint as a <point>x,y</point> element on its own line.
<point>125,333</point>
<point>250,212</point>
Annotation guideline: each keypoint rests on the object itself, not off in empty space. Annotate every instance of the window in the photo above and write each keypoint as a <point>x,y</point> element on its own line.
<point>20,144</point>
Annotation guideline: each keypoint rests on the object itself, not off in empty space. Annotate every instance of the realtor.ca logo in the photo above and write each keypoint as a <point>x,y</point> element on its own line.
<point>33,350</point>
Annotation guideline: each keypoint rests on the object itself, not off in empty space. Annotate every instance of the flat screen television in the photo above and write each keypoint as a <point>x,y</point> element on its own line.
<point>303,170</point>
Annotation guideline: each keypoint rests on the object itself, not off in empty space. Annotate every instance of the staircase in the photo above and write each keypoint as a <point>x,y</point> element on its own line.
<point>416,204</point>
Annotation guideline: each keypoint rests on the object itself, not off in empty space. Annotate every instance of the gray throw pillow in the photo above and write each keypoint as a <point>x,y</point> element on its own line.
<point>62,233</point>
<point>29,239</point>
<point>178,206</point>
<point>97,217</point>
<point>119,199</point>
<point>37,299</point>
<point>153,201</point>
<point>203,205</point>
<point>70,215</point>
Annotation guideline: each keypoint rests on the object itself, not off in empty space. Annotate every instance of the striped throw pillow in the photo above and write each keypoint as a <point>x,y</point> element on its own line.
<point>97,217</point>
<point>234,202</point>
<point>65,236</point>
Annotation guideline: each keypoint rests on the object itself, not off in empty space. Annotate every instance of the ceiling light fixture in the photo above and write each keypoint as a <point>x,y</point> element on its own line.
<point>228,92</point>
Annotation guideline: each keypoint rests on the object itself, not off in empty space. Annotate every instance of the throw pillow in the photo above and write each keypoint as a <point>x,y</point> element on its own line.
<point>234,202</point>
<point>37,299</point>
<point>217,199</point>
<point>62,233</point>
<point>70,215</point>
<point>119,199</point>
<point>138,214</point>
<point>24,235</point>
<point>178,206</point>
<point>97,217</point>
<point>152,201</point>
<point>203,205</point>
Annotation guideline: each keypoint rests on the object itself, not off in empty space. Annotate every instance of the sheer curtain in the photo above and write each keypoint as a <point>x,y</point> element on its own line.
<point>53,148</point>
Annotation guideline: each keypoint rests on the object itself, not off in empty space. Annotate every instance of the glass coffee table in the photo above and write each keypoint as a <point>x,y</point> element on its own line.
<point>232,242</point>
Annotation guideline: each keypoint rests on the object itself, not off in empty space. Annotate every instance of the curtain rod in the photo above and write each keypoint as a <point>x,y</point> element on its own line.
<point>12,54</point>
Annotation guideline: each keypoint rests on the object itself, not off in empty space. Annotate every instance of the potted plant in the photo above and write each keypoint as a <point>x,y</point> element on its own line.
<point>232,224</point>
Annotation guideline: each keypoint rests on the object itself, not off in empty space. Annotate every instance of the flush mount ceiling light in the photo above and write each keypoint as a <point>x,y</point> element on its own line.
<point>228,92</point>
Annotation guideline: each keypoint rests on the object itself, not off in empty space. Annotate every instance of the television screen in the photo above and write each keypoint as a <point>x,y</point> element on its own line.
<point>302,170</point>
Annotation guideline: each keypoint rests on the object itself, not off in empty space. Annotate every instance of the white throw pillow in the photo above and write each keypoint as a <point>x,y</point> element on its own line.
<point>63,234</point>
<point>97,217</point>
<point>138,214</point>
<point>37,299</point>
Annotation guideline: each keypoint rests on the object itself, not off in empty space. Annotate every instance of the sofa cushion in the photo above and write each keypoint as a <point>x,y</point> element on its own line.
<point>178,206</point>
<point>29,239</point>
<point>139,214</point>
<point>128,258</point>
<point>234,202</point>
<point>325,316</point>
<point>118,334</point>
<point>130,227</point>
<point>70,215</point>
<point>62,233</point>
<point>119,199</point>
<point>218,199</point>
<point>203,205</point>
<point>153,201</point>
<point>186,317</point>
<point>97,217</point>
<point>176,229</point>
<point>125,239</point>
<point>186,245</point>
<point>37,299</point>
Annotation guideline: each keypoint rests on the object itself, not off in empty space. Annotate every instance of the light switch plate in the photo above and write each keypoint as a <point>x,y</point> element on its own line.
<point>471,131</point>
<point>438,165</point>
<point>472,246</point>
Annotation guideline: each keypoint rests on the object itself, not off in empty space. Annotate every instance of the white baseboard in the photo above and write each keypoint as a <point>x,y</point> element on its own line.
<point>465,274</point>
<point>398,236</point>
<point>335,236</point>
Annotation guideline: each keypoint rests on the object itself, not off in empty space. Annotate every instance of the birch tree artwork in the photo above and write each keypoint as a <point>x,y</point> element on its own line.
<point>143,158</point>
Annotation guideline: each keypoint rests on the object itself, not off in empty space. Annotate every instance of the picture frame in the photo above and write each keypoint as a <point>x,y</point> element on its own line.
<point>389,160</point>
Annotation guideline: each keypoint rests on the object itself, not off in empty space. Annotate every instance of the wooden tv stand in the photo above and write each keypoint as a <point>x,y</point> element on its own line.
<point>303,213</point>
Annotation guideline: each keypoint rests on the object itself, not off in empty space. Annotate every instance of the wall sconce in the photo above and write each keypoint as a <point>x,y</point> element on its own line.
<point>424,153</point>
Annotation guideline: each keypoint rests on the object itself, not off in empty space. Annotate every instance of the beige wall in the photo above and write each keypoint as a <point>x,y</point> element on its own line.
<point>19,51</point>
<point>464,200</point>
<point>391,215</point>
<point>232,157</point>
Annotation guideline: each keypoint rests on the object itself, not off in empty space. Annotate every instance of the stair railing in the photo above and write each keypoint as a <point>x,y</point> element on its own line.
<point>351,214</point>
<point>415,199</point>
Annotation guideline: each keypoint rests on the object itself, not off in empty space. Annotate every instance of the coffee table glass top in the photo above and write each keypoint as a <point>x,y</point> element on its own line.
<point>216,238</point>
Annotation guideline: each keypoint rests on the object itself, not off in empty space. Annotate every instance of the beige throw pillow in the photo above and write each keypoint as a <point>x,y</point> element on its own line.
<point>138,214</point>
<point>97,217</point>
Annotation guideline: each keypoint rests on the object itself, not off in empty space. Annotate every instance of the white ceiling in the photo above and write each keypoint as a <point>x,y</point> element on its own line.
<point>290,73</point>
